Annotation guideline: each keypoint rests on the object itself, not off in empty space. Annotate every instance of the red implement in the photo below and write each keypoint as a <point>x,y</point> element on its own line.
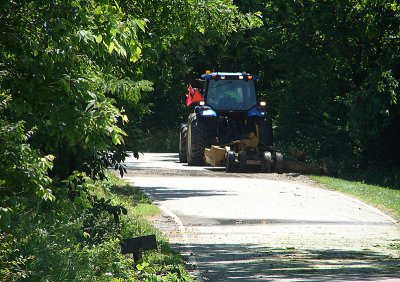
<point>193,96</point>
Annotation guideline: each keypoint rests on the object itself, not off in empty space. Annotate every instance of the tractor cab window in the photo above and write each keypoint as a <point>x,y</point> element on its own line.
<point>231,94</point>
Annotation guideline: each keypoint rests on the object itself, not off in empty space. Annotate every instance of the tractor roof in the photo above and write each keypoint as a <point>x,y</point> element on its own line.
<point>227,74</point>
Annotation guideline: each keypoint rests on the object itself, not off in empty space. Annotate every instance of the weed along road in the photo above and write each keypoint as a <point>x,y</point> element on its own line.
<point>266,227</point>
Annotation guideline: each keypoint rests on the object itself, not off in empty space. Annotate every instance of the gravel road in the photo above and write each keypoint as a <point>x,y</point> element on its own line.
<point>266,227</point>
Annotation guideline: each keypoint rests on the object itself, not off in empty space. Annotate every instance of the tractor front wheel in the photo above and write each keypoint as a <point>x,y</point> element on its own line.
<point>182,143</point>
<point>196,140</point>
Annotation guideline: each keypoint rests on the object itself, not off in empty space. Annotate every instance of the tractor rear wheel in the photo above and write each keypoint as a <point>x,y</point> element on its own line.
<point>266,137</point>
<point>196,140</point>
<point>182,143</point>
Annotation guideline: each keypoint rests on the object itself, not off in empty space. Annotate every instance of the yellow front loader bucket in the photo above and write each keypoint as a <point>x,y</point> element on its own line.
<point>215,156</point>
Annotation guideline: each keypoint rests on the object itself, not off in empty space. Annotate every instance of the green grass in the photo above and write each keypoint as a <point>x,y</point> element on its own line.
<point>122,193</point>
<point>384,198</point>
<point>146,210</point>
<point>163,263</point>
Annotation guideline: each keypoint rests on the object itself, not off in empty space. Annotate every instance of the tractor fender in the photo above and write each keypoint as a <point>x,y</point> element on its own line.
<point>205,111</point>
<point>256,112</point>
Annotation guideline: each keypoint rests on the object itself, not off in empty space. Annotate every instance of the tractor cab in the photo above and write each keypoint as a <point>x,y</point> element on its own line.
<point>229,91</point>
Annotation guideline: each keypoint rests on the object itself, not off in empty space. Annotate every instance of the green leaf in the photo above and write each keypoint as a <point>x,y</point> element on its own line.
<point>115,139</point>
<point>123,52</point>
<point>90,105</point>
<point>98,10</point>
<point>113,31</point>
<point>141,24</point>
<point>136,55</point>
<point>117,47</point>
<point>99,38</point>
<point>111,47</point>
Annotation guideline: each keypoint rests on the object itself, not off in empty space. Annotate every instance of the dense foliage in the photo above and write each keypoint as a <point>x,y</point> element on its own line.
<point>338,78</point>
<point>83,81</point>
<point>62,63</point>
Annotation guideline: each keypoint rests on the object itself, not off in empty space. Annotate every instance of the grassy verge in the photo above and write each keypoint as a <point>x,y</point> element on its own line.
<point>384,198</point>
<point>161,265</point>
<point>77,236</point>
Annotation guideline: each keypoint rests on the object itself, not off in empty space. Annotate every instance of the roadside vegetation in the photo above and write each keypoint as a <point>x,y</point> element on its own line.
<point>160,265</point>
<point>82,82</point>
<point>80,242</point>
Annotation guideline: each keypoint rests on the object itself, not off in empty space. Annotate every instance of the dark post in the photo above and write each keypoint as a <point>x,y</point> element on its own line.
<point>137,245</point>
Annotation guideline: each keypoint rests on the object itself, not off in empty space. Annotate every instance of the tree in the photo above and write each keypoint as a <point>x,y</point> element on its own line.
<point>333,76</point>
<point>64,64</point>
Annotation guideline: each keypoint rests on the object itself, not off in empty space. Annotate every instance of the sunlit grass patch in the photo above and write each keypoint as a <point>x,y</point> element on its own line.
<point>133,197</point>
<point>145,210</point>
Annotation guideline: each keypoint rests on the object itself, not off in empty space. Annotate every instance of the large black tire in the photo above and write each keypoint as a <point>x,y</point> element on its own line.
<point>196,140</point>
<point>242,161</point>
<point>182,143</point>
<point>230,161</point>
<point>266,137</point>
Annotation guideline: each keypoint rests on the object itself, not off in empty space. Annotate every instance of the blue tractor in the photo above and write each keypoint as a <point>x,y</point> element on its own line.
<point>229,126</point>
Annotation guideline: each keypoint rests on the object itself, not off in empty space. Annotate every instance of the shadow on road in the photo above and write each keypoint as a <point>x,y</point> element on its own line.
<point>166,193</point>
<point>202,221</point>
<point>173,159</point>
<point>226,262</point>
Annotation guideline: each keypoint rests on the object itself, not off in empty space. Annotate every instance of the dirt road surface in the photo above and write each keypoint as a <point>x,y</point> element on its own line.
<point>266,227</point>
